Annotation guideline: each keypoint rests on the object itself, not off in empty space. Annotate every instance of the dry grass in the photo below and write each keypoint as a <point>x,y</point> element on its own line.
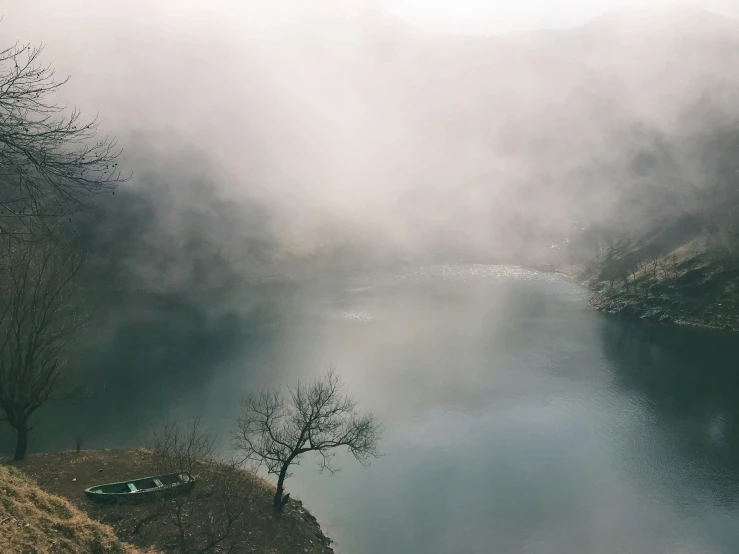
<point>35,522</point>
<point>67,474</point>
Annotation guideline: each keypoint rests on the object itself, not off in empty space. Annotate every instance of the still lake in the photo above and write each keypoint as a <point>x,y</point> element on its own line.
<point>516,419</point>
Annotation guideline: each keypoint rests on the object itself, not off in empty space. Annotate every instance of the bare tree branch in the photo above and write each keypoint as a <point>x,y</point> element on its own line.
<point>51,161</point>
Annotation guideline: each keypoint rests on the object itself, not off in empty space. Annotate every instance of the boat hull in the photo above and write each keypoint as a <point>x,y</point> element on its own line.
<point>142,489</point>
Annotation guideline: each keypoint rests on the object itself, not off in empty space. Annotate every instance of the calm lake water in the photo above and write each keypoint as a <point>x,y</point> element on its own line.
<point>517,420</point>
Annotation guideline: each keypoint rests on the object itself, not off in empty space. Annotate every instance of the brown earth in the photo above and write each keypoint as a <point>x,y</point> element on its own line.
<point>67,474</point>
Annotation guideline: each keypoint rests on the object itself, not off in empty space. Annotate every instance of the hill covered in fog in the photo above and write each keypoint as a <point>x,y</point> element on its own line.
<point>346,142</point>
<point>498,148</point>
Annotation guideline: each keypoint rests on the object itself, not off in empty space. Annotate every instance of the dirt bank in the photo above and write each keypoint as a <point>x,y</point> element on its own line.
<point>67,474</point>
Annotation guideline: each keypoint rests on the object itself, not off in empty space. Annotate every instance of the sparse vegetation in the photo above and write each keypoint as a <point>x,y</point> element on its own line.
<point>689,284</point>
<point>211,518</point>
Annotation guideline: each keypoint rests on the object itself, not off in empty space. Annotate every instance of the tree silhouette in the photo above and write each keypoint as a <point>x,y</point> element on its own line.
<point>40,315</point>
<point>51,161</point>
<point>275,430</point>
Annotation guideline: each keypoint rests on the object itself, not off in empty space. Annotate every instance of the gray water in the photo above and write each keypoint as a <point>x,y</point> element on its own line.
<point>517,420</point>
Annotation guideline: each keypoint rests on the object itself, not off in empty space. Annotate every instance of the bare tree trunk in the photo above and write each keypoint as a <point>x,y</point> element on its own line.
<point>277,501</point>
<point>21,444</point>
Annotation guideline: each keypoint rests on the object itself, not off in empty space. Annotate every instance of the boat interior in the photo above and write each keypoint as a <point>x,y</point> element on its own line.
<point>137,485</point>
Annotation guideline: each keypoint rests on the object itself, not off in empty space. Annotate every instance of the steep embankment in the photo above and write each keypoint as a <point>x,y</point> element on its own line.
<point>208,508</point>
<point>33,521</point>
<point>695,283</point>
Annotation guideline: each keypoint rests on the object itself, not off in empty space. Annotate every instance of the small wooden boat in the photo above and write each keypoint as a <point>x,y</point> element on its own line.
<point>142,489</point>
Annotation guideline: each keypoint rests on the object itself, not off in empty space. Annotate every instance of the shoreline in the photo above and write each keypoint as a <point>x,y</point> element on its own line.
<point>659,314</point>
<point>657,311</point>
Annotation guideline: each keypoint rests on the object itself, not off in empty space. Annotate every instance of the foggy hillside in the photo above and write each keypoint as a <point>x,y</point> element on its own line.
<point>348,140</point>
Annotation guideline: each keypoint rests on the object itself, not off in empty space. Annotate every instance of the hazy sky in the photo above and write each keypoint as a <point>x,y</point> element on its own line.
<point>495,16</point>
<point>475,16</point>
<point>455,16</point>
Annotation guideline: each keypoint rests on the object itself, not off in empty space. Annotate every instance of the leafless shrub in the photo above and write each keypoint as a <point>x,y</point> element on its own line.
<point>211,517</point>
<point>650,269</point>
<point>668,266</point>
<point>180,450</point>
<point>634,271</point>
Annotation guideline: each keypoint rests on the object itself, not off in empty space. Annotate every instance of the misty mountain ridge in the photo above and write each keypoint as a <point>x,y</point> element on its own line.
<point>656,19</point>
<point>547,72</point>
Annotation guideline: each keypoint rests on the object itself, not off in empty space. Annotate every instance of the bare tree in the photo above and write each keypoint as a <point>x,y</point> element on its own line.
<point>180,450</point>
<point>41,314</point>
<point>275,429</point>
<point>212,517</point>
<point>614,247</point>
<point>651,269</point>
<point>51,161</point>
<point>625,279</point>
<point>668,266</point>
<point>612,261</point>
<point>635,269</point>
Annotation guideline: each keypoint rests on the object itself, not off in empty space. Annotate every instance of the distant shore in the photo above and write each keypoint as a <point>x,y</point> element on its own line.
<point>664,310</point>
<point>665,306</point>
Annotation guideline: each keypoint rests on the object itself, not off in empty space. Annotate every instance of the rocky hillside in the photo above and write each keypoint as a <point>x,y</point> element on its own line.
<point>676,275</point>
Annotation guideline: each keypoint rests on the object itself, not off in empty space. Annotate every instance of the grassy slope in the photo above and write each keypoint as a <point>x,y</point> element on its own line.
<point>33,521</point>
<point>67,474</point>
